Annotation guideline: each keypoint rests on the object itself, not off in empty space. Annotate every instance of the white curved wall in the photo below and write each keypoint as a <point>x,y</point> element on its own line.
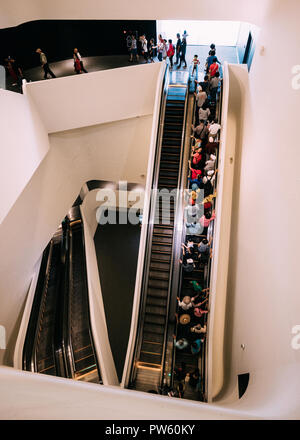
<point>239,10</point>
<point>24,143</point>
<point>97,98</point>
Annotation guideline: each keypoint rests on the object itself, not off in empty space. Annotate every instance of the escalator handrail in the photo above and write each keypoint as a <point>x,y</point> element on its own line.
<point>61,336</point>
<point>29,360</point>
<point>151,217</point>
<point>86,293</point>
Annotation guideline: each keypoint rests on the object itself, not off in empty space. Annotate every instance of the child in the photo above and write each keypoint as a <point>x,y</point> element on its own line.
<point>195,63</point>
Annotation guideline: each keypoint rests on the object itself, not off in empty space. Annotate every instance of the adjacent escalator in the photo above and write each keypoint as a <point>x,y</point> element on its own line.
<point>59,341</point>
<point>150,345</point>
<point>39,349</point>
<point>83,353</point>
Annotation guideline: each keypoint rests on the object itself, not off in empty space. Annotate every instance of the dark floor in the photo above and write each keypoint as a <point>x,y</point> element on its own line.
<point>93,64</point>
<point>117,253</point>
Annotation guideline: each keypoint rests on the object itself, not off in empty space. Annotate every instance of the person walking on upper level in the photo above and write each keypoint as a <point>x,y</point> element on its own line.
<point>14,70</point>
<point>45,65</point>
<point>78,63</point>
<point>133,52</point>
<point>144,43</point>
<point>170,53</point>
<point>183,51</point>
<point>178,48</point>
<point>152,48</point>
<point>160,47</point>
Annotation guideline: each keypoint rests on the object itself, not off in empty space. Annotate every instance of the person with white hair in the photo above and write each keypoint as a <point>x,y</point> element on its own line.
<point>214,128</point>
<point>204,112</point>
<point>211,163</point>
<point>201,97</point>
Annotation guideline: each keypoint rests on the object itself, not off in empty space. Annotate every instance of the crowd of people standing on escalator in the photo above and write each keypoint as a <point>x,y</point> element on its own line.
<point>194,298</point>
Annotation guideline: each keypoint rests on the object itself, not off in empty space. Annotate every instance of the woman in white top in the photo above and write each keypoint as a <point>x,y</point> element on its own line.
<point>164,49</point>
<point>144,47</point>
<point>160,46</point>
<point>77,57</point>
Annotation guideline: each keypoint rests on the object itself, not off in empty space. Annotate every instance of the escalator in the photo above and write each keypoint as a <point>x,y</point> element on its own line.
<point>59,340</point>
<point>39,351</point>
<point>83,354</point>
<point>151,339</point>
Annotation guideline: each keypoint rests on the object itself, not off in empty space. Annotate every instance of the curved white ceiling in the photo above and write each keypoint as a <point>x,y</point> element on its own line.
<point>12,14</point>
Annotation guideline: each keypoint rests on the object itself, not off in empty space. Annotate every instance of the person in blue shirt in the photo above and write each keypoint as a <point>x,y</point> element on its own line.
<point>197,182</point>
<point>210,59</point>
<point>196,346</point>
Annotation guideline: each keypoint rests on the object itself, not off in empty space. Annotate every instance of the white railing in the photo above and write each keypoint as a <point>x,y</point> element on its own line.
<point>97,313</point>
<point>220,260</point>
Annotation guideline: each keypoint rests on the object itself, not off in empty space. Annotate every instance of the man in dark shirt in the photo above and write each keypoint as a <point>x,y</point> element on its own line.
<point>183,52</point>
<point>204,84</point>
<point>178,48</point>
<point>210,59</point>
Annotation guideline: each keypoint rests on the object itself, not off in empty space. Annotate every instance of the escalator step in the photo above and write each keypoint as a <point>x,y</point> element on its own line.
<point>167,186</point>
<point>161,248</point>
<point>165,241</point>
<point>160,258</point>
<point>157,292</point>
<point>160,267</point>
<point>160,276</point>
<point>83,353</point>
<point>156,301</point>
<point>152,347</point>
<point>154,337</point>
<point>163,230</point>
<point>156,310</point>
<point>49,371</point>
<point>85,363</point>
<point>150,358</point>
<point>158,283</point>
<point>160,235</point>
<point>155,319</point>
<point>150,327</point>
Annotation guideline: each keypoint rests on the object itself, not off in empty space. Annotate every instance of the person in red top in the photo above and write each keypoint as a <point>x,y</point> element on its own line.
<point>170,53</point>
<point>195,173</point>
<point>206,219</point>
<point>214,68</point>
<point>197,157</point>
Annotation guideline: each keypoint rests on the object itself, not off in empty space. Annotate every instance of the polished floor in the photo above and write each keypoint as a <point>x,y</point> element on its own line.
<point>94,64</point>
